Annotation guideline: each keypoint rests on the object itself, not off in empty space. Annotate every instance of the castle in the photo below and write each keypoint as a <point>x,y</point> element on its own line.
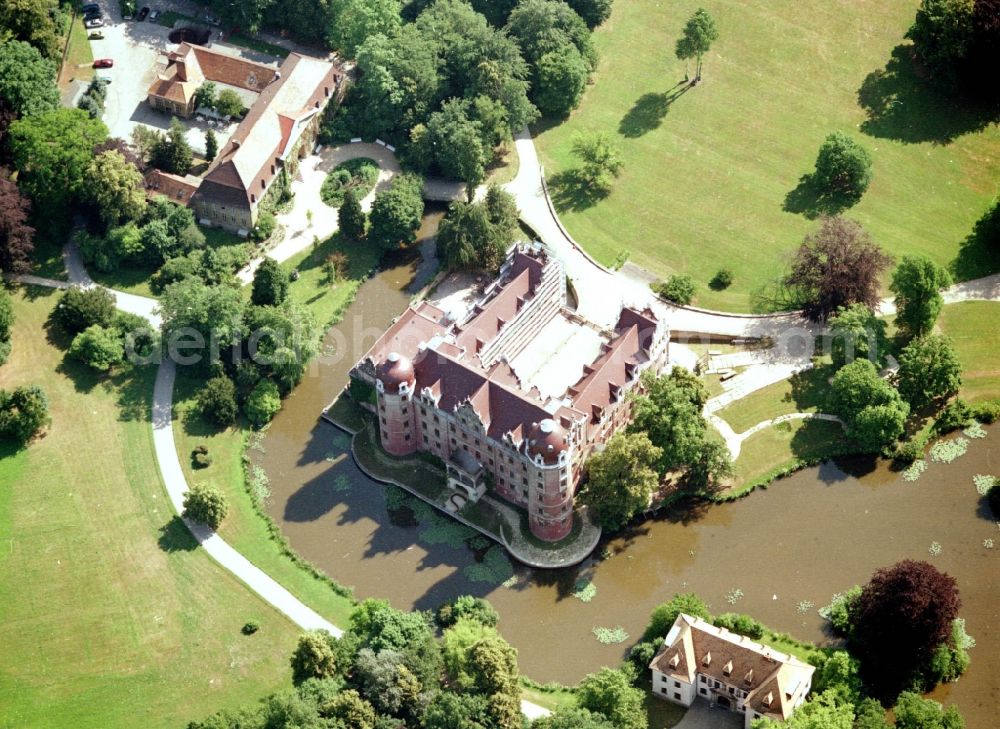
<point>514,394</point>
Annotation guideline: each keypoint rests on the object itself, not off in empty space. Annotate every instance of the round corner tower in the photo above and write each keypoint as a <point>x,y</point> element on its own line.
<point>550,496</point>
<point>395,381</point>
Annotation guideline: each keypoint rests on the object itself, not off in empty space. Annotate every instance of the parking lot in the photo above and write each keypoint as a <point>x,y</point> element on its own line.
<point>135,46</point>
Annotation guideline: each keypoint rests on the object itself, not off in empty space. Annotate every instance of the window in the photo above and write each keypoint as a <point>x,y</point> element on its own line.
<point>677,696</point>
<point>704,692</point>
<point>663,690</point>
<point>383,421</point>
<point>677,684</point>
<point>406,437</point>
<point>425,439</point>
<point>262,185</point>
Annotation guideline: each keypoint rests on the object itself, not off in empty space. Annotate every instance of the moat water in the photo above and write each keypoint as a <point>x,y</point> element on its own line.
<point>782,552</point>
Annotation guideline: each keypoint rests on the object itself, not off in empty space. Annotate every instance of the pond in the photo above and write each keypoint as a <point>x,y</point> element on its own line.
<point>778,554</point>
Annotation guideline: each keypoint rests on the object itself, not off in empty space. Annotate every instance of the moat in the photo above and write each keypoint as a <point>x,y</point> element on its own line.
<point>778,555</point>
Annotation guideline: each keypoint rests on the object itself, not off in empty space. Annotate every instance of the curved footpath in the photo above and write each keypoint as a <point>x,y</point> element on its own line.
<point>173,475</point>
<point>734,440</point>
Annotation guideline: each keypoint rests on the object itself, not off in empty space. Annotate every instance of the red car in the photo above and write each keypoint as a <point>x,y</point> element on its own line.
<point>103,63</point>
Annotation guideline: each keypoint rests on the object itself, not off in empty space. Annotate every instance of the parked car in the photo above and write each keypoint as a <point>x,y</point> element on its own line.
<point>142,14</point>
<point>103,78</point>
<point>93,23</point>
<point>90,8</point>
<point>96,35</point>
<point>153,15</point>
<point>211,19</point>
<point>104,63</point>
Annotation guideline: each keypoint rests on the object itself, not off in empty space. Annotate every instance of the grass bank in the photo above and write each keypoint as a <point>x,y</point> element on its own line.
<point>108,611</point>
<point>801,393</point>
<point>974,326</point>
<point>711,175</point>
<point>79,58</point>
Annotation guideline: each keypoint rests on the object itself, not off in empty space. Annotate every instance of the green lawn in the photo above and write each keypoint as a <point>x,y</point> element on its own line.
<point>327,300</point>
<point>778,446</point>
<point>79,58</point>
<point>109,614</point>
<point>801,393</point>
<point>706,174</point>
<point>974,326</point>
<point>255,44</point>
<point>244,528</point>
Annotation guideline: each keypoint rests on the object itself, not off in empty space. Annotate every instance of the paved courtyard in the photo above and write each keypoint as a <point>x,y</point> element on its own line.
<point>703,715</point>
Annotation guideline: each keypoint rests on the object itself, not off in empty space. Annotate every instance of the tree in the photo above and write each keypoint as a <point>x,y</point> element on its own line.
<point>351,219</point>
<point>504,215</point>
<point>942,34</point>
<point>600,160</point>
<point>917,283</point>
<point>27,79</point>
<point>456,646</point>
<point>314,656</point>
<point>206,95</point>
<point>6,315</point>
<point>664,614</point>
<point>211,145</point>
<point>912,711</point>
<point>263,403</point>
<point>98,347</point>
<point>561,77</point>
<point>699,34</point>
<point>229,103</point>
<point>52,152</point>
<point>824,711</point>
<point>145,140</point>
<point>869,714</point>
<point>116,188</point>
<point>712,464</point>
<point>385,681</point>
<point>467,607</point>
<point>843,168</point>
<point>270,284</point>
<point>217,400</point>
<point>39,22</point>
<point>396,213</point>
<point>903,614</point>
<point>352,710</point>
<point>609,692</point>
<point>855,332</point>
<point>211,313</point>
<point>929,371</point>
<point>573,718</point>
<point>79,308</point>
<point>463,230</point>
<point>16,236</point>
<point>172,153</point>
<point>837,266</point>
<point>356,20</point>
<point>456,711</point>
<point>872,409</point>
<point>545,26</point>
<point>594,12</point>
<point>23,413</point>
<point>206,505</point>
<point>669,412</point>
<point>453,140</point>
<point>492,665</point>
<point>679,288</point>
<point>621,479</point>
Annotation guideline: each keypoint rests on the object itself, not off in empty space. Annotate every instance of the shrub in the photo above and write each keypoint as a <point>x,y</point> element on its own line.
<point>466,606</point>
<point>641,654</point>
<point>250,627</point>
<point>314,656</point>
<point>664,615</point>
<point>98,347</point>
<point>200,457</point>
<point>679,288</point>
<point>23,412</point>
<point>907,452</point>
<point>740,623</point>
<point>262,404</point>
<point>205,505</point>
<point>956,414</point>
<point>358,175</point>
<point>266,223</point>
<point>987,412</point>
<point>270,284</point>
<point>722,280</point>
<point>217,400</point>
<point>80,308</point>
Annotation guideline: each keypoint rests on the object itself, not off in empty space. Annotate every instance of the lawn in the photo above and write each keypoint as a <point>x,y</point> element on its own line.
<point>801,393</point>
<point>779,446</point>
<point>245,529</point>
<point>255,44</point>
<point>974,326</point>
<point>79,58</point>
<point>325,298</point>
<point>706,172</point>
<point>108,611</point>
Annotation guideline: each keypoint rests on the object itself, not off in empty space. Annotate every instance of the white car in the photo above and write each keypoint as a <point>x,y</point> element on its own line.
<point>93,23</point>
<point>153,15</point>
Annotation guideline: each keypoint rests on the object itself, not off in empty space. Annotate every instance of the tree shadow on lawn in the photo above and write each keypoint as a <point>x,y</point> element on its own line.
<point>571,191</point>
<point>979,254</point>
<point>175,537</point>
<point>648,111</point>
<point>902,104</point>
<point>809,199</point>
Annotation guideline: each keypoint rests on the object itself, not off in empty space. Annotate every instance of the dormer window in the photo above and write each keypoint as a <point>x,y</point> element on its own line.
<point>707,660</point>
<point>675,660</point>
<point>768,700</point>
<point>748,679</point>
<point>727,669</point>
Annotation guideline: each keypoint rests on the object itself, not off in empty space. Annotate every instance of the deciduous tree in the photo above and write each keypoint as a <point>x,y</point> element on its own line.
<point>27,79</point>
<point>217,400</point>
<point>913,711</point>
<point>314,656</point>
<point>856,333</point>
<point>621,479</point>
<point>270,283</point>
<point>664,614</point>
<point>172,153</point>
<point>206,505</point>
<point>917,283</point>
<point>699,34</point>
<point>560,79</point>
<point>16,236</point>
<point>600,160</point>
<point>837,266</point>
<point>396,213</point>
<point>79,308</point>
<point>903,614</point>
<point>843,168</point>
<point>98,347</point>
<point>942,34</point>
<point>116,188</point>
<point>356,20</point>
<point>23,413</point>
<point>610,692</point>
<point>929,371</point>
<point>872,409</point>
